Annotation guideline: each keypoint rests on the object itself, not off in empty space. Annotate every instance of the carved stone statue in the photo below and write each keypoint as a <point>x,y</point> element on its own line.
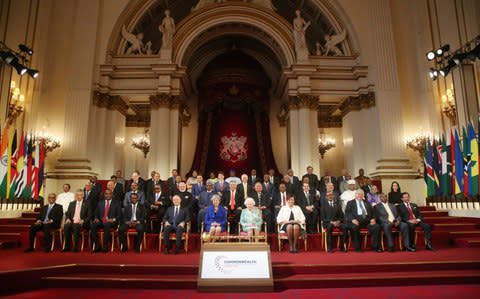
<point>299,29</point>
<point>148,48</point>
<point>331,43</point>
<point>136,42</point>
<point>167,28</point>
<point>265,3</point>
<point>202,3</point>
<point>318,48</point>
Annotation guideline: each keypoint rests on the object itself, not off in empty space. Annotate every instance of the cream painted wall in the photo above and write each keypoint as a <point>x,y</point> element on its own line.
<point>189,138</point>
<point>278,136</point>
<point>134,159</point>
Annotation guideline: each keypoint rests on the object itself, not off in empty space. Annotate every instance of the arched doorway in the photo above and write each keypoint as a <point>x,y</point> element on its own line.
<point>233,105</point>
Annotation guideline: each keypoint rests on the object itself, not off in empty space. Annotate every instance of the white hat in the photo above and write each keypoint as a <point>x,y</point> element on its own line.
<point>351,182</point>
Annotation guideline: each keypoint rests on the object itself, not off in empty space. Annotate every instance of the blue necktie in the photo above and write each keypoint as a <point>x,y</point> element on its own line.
<point>48,212</point>
<point>175,216</point>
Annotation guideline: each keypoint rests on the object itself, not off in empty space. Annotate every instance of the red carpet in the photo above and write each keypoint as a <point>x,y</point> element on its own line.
<point>426,291</point>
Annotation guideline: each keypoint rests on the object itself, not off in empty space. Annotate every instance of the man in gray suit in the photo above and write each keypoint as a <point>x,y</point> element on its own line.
<point>388,217</point>
<point>140,195</point>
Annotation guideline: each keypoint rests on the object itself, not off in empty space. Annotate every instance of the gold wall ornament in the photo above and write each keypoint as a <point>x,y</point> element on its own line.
<point>303,101</point>
<point>282,116</point>
<point>142,143</point>
<point>448,106</point>
<point>164,100</point>
<point>325,144</point>
<point>417,143</point>
<point>16,103</point>
<point>50,141</point>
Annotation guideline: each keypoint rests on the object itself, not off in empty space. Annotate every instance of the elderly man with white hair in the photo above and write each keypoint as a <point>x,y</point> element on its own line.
<point>232,200</point>
<point>348,194</point>
<point>360,214</point>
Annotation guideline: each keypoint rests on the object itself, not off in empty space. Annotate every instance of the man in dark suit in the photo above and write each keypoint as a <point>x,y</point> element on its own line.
<point>388,217</point>
<point>49,218</point>
<point>133,217</point>
<point>151,183</point>
<point>264,202</point>
<point>368,187</point>
<point>306,199</point>
<point>253,177</point>
<point>280,198</point>
<point>312,178</point>
<point>273,178</point>
<point>116,188</point>
<point>137,180</point>
<point>175,220</point>
<point>360,214</point>
<point>291,189</point>
<point>267,186</point>
<point>78,216</point>
<point>185,196</point>
<point>96,186</point>
<point>411,215</point>
<point>232,200</point>
<point>198,188</point>
<point>330,188</point>
<point>204,201</point>
<point>107,216</point>
<point>134,190</point>
<point>220,186</point>
<point>157,203</point>
<point>294,180</point>
<point>92,196</point>
<point>172,182</point>
<point>327,178</point>
<point>340,179</point>
<point>332,217</point>
<point>244,187</point>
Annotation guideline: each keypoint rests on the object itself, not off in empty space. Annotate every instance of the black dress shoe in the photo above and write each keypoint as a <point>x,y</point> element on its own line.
<point>175,251</point>
<point>343,250</point>
<point>105,250</point>
<point>29,249</point>
<point>429,247</point>
<point>124,249</point>
<point>330,250</point>
<point>413,246</point>
<point>377,250</point>
<point>391,250</point>
<point>75,249</point>
<point>166,251</point>
<point>66,249</point>
<point>295,251</point>
<point>47,250</point>
<point>96,250</point>
<point>358,250</point>
<point>137,250</point>
<point>410,249</point>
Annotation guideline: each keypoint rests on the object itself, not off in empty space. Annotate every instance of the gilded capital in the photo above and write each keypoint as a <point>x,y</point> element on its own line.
<point>303,101</point>
<point>161,101</point>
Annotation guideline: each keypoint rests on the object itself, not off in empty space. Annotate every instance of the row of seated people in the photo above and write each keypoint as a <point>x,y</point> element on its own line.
<point>108,215</point>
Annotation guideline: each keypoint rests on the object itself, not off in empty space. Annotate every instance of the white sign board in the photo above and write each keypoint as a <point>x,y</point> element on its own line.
<point>235,264</point>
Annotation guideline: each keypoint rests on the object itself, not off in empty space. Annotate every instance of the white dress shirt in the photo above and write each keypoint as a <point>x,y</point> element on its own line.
<point>64,199</point>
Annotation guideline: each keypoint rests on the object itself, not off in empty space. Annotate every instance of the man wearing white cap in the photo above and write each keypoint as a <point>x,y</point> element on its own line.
<point>348,194</point>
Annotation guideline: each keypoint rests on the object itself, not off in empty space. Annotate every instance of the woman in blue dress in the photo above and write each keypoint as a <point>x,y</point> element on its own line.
<point>251,219</point>
<point>215,218</point>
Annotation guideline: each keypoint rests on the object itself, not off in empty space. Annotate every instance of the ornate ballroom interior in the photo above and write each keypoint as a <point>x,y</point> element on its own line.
<point>275,77</point>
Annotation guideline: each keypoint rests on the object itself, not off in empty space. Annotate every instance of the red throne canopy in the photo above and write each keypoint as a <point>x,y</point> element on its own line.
<point>233,131</point>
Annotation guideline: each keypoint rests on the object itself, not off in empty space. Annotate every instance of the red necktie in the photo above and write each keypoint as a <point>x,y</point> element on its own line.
<point>221,185</point>
<point>284,201</point>
<point>232,201</point>
<point>410,211</point>
<point>106,211</point>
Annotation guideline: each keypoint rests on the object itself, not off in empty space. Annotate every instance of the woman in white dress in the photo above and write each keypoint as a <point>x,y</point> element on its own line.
<point>292,221</point>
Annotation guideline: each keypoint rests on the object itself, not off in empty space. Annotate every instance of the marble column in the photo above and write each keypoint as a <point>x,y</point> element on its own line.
<point>75,163</point>
<point>303,134</point>
<point>163,143</point>
<point>392,161</point>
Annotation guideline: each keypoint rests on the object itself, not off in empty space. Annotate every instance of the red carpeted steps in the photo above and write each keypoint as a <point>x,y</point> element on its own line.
<point>286,276</point>
<point>472,242</point>
<point>10,240</point>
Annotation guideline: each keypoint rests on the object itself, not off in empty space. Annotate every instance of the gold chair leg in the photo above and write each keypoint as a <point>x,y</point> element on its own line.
<point>400,243</point>
<point>52,246</point>
<point>324,243</point>
<point>186,244</point>
<point>128,241</point>
<point>381,241</point>
<point>113,242</point>
<point>305,244</point>
<point>415,239</point>
<point>365,241</point>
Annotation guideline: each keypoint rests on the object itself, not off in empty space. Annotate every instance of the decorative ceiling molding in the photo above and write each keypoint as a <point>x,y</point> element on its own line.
<point>104,100</point>
<point>363,101</point>
<point>303,101</point>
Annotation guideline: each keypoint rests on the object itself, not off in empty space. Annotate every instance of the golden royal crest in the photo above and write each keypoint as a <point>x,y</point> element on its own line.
<point>233,148</point>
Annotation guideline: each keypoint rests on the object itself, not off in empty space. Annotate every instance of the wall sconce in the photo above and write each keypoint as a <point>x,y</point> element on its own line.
<point>417,143</point>
<point>142,143</point>
<point>324,145</point>
<point>51,142</point>
<point>16,102</point>
<point>448,106</point>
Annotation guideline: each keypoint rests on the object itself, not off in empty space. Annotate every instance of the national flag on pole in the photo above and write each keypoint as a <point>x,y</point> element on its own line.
<point>473,175</point>
<point>35,166</point>
<point>466,164</point>
<point>4,163</point>
<point>446,166</point>
<point>429,170</point>
<point>436,166</point>
<point>12,170</point>
<point>28,189</point>
<point>41,170</point>
<point>21,179</point>
<point>458,180</point>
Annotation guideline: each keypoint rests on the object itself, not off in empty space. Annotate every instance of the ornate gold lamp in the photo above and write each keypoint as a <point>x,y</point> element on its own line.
<point>142,143</point>
<point>51,142</point>
<point>448,106</point>
<point>325,144</point>
<point>16,102</point>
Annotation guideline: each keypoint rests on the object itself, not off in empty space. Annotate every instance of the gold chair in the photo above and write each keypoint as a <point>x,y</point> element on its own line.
<point>262,235</point>
<point>283,236</point>
<point>222,234</point>
<point>173,237</point>
<point>336,232</point>
<point>113,232</point>
<point>131,232</point>
<point>53,233</point>
<point>82,234</point>
<point>394,231</point>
